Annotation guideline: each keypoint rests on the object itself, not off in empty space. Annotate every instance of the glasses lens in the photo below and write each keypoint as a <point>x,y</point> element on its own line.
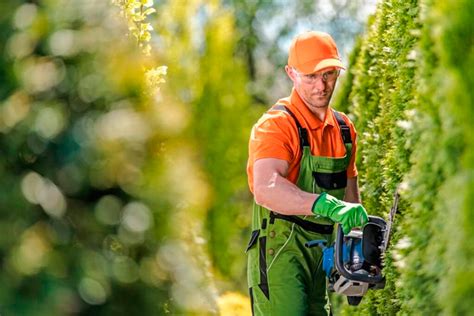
<point>325,76</point>
<point>330,75</point>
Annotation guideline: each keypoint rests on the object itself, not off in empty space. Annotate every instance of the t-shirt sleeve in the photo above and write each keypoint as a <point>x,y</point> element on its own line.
<point>352,168</point>
<point>272,137</point>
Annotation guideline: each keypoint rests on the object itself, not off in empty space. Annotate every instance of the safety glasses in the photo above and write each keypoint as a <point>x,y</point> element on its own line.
<point>327,76</point>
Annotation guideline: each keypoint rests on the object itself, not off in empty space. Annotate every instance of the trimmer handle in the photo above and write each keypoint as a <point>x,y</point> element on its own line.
<point>339,246</point>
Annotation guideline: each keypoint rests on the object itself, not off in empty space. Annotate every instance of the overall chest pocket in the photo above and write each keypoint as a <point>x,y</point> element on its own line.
<point>330,181</point>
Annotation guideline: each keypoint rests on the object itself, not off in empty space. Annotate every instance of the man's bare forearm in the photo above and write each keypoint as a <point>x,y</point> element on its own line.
<point>352,193</point>
<point>282,196</point>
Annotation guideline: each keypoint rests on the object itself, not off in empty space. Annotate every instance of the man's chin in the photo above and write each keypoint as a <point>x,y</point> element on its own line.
<point>320,105</point>
<point>318,102</point>
<point>321,102</point>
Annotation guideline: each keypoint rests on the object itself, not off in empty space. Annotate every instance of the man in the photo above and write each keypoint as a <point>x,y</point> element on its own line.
<point>300,169</point>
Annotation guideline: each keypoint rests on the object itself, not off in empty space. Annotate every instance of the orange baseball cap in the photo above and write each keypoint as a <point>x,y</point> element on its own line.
<point>313,51</point>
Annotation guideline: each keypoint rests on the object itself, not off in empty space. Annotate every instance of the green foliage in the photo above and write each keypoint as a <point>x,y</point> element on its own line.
<point>224,137</point>
<point>77,131</point>
<point>136,13</point>
<point>107,181</point>
<point>344,87</point>
<point>208,87</point>
<point>411,96</point>
<point>456,75</point>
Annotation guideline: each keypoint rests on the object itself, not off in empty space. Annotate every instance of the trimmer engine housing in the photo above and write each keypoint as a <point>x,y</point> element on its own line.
<point>353,263</point>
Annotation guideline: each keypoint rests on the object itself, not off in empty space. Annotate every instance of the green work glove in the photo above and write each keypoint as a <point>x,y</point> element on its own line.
<point>347,214</point>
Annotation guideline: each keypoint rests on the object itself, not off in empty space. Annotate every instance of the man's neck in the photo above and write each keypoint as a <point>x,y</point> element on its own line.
<point>318,112</point>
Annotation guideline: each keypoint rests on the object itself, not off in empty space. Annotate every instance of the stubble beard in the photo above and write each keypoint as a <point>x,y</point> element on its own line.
<point>320,104</point>
<point>317,101</point>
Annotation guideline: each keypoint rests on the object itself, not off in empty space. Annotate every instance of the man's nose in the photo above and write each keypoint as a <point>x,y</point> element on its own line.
<point>319,83</point>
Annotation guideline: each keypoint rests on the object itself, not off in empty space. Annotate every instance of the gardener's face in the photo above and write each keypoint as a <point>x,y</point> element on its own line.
<point>314,89</point>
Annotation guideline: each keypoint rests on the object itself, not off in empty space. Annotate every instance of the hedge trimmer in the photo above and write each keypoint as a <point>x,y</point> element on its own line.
<point>353,264</point>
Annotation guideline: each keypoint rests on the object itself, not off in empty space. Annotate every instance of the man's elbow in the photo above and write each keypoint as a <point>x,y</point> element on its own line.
<point>266,188</point>
<point>260,195</point>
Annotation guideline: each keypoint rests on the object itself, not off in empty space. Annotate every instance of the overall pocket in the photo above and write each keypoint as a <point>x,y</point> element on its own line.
<point>253,239</point>
<point>257,263</point>
<point>253,254</point>
<point>330,181</point>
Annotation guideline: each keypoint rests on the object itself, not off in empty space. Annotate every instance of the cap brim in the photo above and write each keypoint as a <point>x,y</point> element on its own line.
<point>323,64</point>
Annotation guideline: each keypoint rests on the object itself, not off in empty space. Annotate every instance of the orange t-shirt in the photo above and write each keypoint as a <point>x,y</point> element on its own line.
<point>275,136</point>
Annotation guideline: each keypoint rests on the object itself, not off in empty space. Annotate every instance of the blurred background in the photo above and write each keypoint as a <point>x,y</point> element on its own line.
<point>123,142</point>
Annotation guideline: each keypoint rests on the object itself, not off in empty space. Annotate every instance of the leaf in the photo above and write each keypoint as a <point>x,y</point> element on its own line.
<point>149,11</point>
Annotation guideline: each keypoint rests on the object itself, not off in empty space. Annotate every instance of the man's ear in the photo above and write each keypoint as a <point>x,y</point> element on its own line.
<point>291,73</point>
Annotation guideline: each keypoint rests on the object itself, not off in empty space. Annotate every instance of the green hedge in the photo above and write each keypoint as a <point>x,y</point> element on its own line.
<point>410,91</point>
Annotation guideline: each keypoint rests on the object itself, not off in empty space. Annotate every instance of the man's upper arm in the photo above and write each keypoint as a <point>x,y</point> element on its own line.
<point>271,138</point>
<point>266,172</point>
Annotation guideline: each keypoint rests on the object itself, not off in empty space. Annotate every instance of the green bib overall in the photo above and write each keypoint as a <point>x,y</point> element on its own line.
<point>286,278</point>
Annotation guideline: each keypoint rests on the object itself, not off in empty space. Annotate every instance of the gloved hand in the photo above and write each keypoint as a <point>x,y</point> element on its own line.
<point>347,214</point>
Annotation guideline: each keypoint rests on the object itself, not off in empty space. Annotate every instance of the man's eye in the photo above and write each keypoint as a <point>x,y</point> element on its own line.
<point>311,77</point>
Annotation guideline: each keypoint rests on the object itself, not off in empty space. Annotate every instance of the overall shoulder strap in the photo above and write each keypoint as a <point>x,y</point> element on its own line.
<point>302,132</point>
<point>345,130</point>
